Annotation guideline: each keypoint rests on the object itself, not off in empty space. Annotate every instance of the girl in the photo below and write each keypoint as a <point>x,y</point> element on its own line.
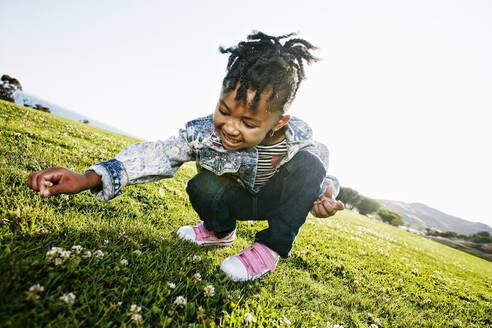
<point>254,161</point>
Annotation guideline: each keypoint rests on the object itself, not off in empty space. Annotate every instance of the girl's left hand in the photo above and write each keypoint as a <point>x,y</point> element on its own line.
<point>326,206</point>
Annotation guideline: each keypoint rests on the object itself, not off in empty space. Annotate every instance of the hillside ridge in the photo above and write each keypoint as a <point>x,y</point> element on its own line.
<point>424,216</point>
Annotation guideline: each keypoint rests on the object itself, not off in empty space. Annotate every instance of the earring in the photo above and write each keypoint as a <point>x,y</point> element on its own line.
<point>272,133</point>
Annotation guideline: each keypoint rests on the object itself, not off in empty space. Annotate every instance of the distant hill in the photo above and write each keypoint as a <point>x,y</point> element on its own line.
<point>427,217</point>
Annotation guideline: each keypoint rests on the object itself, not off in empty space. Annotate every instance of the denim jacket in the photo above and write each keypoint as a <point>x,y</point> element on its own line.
<point>199,141</point>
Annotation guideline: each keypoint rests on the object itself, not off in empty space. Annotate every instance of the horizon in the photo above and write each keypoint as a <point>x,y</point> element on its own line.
<point>400,98</point>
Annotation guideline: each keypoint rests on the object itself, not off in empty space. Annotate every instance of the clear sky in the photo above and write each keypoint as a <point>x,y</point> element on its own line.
<point>401,97</point>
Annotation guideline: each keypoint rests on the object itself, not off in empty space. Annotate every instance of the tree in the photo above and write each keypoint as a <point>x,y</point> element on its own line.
<point>348,196</point>
<point>367,205</point>
<point>390,217</point>
<point>397,222</point>
<point>8,86</point>
<point>482,237</point>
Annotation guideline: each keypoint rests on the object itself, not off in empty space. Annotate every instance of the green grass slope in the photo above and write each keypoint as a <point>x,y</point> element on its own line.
<point>348,270</point>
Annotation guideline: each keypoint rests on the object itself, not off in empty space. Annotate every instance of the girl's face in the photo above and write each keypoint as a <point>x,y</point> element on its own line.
<point>239,127</point>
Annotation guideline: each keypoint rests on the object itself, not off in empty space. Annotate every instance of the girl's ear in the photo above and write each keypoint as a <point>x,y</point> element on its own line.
<point>281,122</point>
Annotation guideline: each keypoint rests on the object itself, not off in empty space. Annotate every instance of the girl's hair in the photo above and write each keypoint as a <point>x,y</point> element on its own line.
<point>263,62</point>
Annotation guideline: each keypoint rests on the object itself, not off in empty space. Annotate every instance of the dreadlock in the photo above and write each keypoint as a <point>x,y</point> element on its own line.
<point>263,62</point>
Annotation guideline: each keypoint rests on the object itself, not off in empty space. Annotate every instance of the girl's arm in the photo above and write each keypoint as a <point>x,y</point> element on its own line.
<point>140,163</point>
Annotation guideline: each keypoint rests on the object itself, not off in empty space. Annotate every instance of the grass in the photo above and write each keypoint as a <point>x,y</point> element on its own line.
<point>347,270</point>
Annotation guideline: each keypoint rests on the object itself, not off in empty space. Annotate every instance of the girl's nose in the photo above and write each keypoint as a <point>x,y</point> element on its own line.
<point>230,127</point>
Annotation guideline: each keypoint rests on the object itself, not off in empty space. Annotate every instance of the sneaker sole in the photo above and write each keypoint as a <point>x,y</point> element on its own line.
<point>206,243</point>
<point>215,243</point>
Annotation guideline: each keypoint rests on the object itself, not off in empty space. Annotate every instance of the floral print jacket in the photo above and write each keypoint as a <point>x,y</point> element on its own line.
<point>151,161</point>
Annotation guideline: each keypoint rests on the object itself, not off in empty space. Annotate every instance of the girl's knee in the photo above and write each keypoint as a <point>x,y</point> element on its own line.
<point>206,185</point>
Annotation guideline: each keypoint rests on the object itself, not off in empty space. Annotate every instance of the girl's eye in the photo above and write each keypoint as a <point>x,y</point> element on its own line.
<point>249,125</point>
<point>223,112</point>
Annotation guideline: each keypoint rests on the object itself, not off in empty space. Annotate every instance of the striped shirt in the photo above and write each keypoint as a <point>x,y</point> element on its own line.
<point>265,169</point>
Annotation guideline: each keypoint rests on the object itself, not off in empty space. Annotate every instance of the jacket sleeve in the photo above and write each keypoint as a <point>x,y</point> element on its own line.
<point>322,151</point>
<point>140,163</point>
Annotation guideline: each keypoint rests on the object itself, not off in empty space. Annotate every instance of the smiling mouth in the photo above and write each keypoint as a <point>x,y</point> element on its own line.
<point>229,141</point>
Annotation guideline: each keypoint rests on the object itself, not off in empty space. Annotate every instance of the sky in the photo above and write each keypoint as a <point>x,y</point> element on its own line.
<point>400,96</point>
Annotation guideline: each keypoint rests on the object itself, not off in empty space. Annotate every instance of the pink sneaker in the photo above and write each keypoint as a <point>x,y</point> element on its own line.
<point>251,263</point>
<point>199,235</point>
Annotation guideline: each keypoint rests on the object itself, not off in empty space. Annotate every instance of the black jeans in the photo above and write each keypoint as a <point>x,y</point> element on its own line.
<point>285,201</point>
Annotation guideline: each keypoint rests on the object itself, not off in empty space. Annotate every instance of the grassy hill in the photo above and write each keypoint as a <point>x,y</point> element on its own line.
<point>348,270</point>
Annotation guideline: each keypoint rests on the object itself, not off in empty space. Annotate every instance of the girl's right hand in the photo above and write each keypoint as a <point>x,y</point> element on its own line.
<point>60,180</point>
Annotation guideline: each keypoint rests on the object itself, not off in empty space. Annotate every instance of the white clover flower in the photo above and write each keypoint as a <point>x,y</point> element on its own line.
<point>377,321</point>
<point>134,308</point>
<point>124,262</point>
<point>99,254</point>
<point>87,254</point>
<point>170,286</point>
<point>458,321</point>
<point>36,288</point>
<point>197,277</point>
<point>65,254</point>
<point>58,261</point>
<point>400,281</point>
<point>180,301</point>
<point>136,317</point>
<point>209,291</point>
<point>356,283</point>
<point>369,315</point>
<point>68,298</point>
<point>427,301</point>
<point>248,317</point>
<point>385,299</point>
<point>137,252</point>
<point>77,249</point>
<point>194,258</point>
<point>119,303</point>
<point>284,321</point>
<point>373,325</point>
<point>105,242</point>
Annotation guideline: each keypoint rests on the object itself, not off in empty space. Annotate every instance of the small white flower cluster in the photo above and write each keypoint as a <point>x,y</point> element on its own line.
<point>58,255</point>
<point>194,258</point>
<point>77,249</point>
<point>248,317</point>
<point>209,291</point>
<point>197,277</point>
<point>180,301</point>
<point>134,313</point>
<point>33,293</point>
<point>137,252</point>
<point>331,325</point>
<point>170,287</point>
<point>68,298</point>
<point>124,262</point>
<point>36,288</point>
<point>284,321</point>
